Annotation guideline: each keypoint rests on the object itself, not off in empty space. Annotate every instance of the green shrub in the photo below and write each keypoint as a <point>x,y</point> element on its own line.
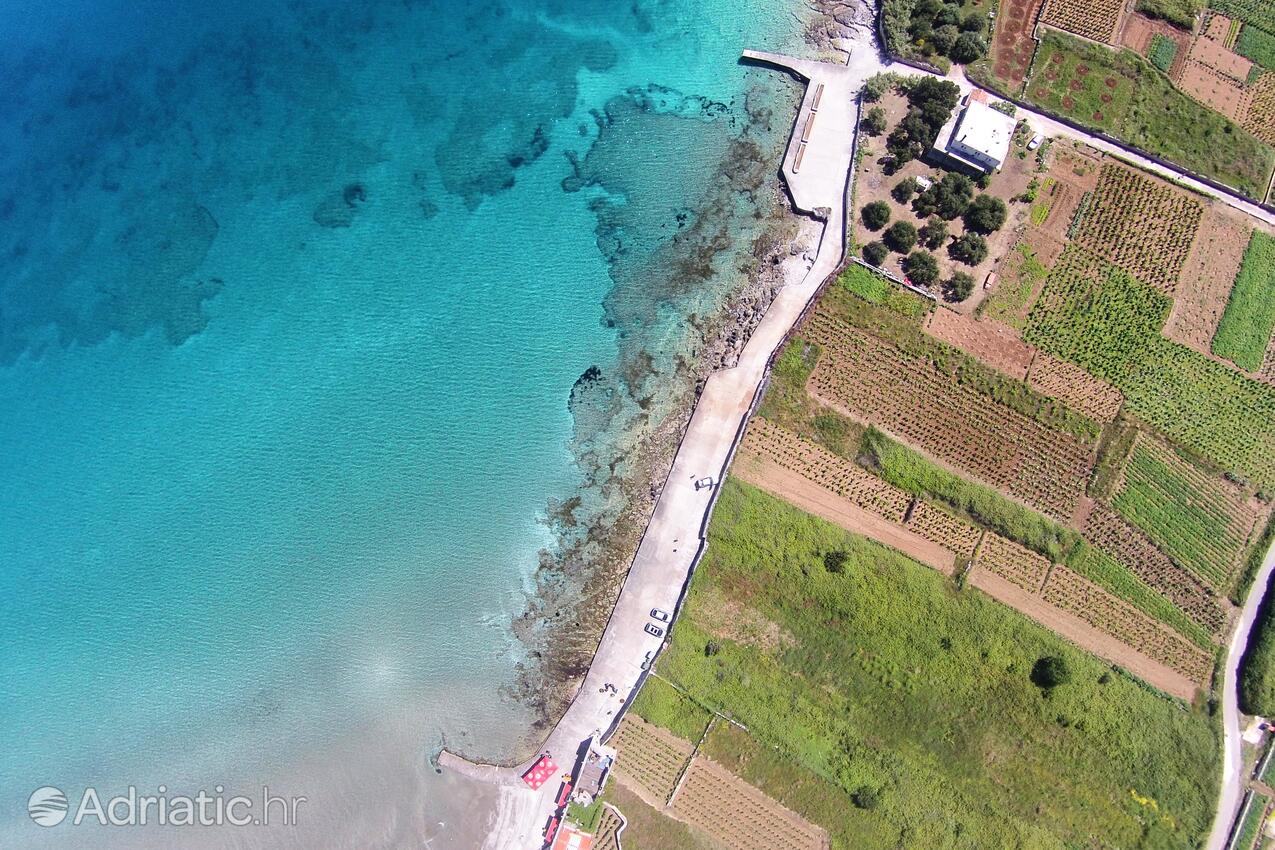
<point>934,232</point>
<point>968,248</point>
<point>1180,13</point>
<point>875,253</point>
<point>986,214</point>
<point>901,236</point>
<point>922,268</point>
<point>958,287</point>
<point>876,215</point>
<point>1050,672</point>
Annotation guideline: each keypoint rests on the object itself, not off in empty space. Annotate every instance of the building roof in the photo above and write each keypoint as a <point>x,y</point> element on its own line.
<point>985,130</point>
<point>570,838</point>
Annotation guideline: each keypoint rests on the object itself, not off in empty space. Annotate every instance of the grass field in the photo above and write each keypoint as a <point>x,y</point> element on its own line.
<point>914,702</point>
<point>1143,108</point>
<point>1245,329</point>
<point>1100,318</point>
<point>879,290</point>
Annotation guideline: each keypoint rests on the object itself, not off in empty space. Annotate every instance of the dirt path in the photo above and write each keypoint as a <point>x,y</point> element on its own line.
<point>1082,634</point>
<point>813,499</point>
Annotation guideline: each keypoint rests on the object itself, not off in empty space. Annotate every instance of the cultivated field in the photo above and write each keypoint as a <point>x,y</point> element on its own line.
<point>1012,44</point>
<point>1079,596</point>
<point>1111,533</point>
<point>1096,19</point>
<point>832,472</point>
<point>1015,563</point>
<point>1120,93</point>
<point>1244,332</point>
<point>1260,120</point>
<point>650,759</point>
<point>738,815</point>
<point>995,344</point>
<point>1075,388</point>
<point>1144,226</point>
<point>1098,317</point>
<point>869,378</point>
<point>1200,520</point>
<point>1205,282</point>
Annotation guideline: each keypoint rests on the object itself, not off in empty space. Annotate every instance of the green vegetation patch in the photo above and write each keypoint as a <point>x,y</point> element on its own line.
<point>1257,671</point>
<point>1099,567</point>
<point>1162,52</point>
<point>1180,13</point>
<point>1097,316</point>
<point>1245,330</point>
<point>662,704</point>
<point>787,404</point>
<point>916,700</point>
<point>909,470</point>
<point>1121,93</point>
<point>1259,13</point>
<point>1013,293</point>
<point>882,291</point>
<point>1161,496</point>
<point>1100,318</point>
<point>1257,45</point>
<point>1252,823</point>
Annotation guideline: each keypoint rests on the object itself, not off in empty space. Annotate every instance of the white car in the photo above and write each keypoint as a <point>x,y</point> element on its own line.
<point>653,630</point>
<point>1035,142</point>
<point>659,614</point>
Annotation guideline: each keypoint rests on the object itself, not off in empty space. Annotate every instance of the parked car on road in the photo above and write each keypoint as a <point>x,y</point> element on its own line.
<point>653,630</point>
<point>659,614</point>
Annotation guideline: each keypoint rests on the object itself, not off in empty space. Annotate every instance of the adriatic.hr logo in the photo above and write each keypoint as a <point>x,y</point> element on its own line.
<point>47,806</point>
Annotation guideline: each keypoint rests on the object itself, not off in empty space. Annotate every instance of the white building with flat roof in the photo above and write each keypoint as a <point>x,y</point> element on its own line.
<point>977,136</point>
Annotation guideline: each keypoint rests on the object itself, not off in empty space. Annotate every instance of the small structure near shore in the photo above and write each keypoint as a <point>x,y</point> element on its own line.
<point>594,770</point>
<point>977,136</point>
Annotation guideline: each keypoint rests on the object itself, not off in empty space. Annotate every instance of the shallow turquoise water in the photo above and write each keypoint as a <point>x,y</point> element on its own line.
<point>292,299</point>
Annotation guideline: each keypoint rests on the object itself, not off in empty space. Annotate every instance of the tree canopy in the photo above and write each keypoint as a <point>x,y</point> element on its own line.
<point>986,214</point>
<point>958,287</point>
<point>901,236</point>
<point>969,248</point>
<point>922,268</point>
<point>875,253</point>
<point>948,198</point>
<point>876,215</point>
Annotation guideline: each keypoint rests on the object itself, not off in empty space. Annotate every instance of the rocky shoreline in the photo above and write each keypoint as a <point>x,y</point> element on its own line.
<point>576,586</point>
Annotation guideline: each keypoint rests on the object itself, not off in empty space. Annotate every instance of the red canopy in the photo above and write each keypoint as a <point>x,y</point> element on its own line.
<point>564,792</point>
<point>540,772</point>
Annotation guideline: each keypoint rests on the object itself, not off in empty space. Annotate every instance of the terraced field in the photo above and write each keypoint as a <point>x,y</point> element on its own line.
<point>868,377</point>
<point>1195,518</point>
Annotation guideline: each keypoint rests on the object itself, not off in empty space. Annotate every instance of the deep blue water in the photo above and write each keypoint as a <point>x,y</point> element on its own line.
<point>292,299</point>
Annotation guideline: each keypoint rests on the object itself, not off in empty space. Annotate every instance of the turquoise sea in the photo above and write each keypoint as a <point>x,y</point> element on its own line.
<point>293,296</point>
